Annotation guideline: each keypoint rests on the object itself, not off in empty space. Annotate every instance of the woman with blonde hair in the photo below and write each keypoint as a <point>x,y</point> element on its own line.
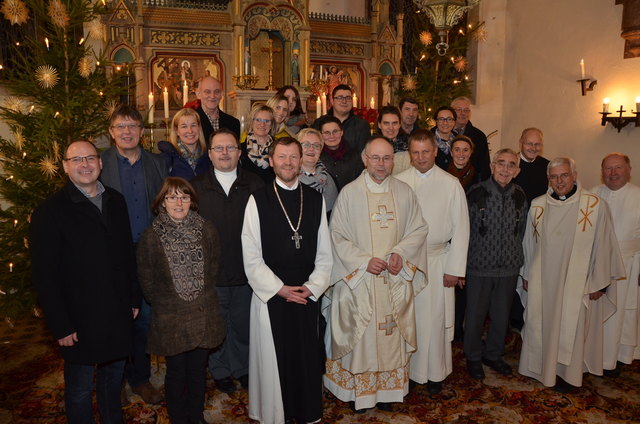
<point>313,172</point>
<point>280,106</point>
<point>255,145</point>
<point>186,151</point>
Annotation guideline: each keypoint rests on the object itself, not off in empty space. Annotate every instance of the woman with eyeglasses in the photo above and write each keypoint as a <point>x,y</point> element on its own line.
<point>445,118</point>
<point>185,152</point>
<point>280,106</point>
<point>255,146</point>
<point>343,163</point>
<point>297,119</point>
<point>313,172</point>
<point>460,166</point>
<point>177,268</point>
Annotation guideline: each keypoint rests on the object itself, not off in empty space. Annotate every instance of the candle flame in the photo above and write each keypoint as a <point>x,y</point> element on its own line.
<point>605,101</point>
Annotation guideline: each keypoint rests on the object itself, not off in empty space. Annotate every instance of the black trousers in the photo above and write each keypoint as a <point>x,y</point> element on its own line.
<point>185,385</point>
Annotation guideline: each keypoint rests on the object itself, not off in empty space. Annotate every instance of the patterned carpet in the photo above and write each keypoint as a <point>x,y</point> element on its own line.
<point>31,389</point>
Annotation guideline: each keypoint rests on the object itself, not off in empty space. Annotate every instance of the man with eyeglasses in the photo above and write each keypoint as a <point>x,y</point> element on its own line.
<point>379,266</point>
<point>571,261</point>
<point>210,92</point>
<point>355,129</point>
<point>84,271</point>
<point>138,175</point>
<point>223,192</point>
<point>480,157</point>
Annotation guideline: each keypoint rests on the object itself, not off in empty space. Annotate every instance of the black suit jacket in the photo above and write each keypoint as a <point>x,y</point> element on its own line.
<point>83,268</point>
<point>226,121</point>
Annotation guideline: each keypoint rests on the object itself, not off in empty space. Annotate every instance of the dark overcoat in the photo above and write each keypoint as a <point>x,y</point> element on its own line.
<point>83,268</point>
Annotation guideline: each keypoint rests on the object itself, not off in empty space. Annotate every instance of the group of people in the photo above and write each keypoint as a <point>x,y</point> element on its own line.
<point>289,258</point>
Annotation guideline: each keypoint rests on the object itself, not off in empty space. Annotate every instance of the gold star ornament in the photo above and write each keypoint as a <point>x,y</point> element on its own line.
<point>409,83</point>
<point>58,13</point>
<point>47,76</point>
<point>15,11</point>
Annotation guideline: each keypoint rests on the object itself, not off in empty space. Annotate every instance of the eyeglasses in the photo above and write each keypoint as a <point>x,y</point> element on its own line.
<point>315,146</point>
<point>77,160</point>
<point>121,127</point>
<point>447,119</point>
<point>462,110</point>
<point>220,149</point>
<point>376,158</point>
<point>262,120</point>
<point>330,133</point>
<point>174,199</point>
<point>343,98</point>
<point>563,176</point>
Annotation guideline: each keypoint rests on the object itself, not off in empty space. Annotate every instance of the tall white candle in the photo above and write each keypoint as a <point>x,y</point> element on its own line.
<point>355,100</point>
<point>605,105</point>
<point>165,97</point>
<point>152,107</point>
<point>185,93</point>
<point>318,107</point>
<point>581,68</point>
<point>324,103</point>
<point>638,104</point>
<point>254,70</point>
<point>372,104</point>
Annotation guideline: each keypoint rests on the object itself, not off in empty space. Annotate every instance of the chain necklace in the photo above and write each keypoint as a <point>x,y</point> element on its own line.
<point>295,237</point>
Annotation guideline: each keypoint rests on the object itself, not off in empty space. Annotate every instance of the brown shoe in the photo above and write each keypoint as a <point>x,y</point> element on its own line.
<point>148,393</point>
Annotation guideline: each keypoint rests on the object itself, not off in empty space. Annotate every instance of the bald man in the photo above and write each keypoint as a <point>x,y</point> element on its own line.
<point>210,92</point>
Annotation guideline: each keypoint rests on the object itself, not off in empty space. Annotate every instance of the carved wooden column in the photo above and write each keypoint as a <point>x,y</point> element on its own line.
<point>630,27</point>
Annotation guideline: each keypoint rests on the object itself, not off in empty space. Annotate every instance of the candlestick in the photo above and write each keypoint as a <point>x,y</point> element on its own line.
<point>582,68</point>
<point>372,104</point>
<point>324,103</point>
<point>152,108</point>
<point>355,100</point>
<point>166,103</point>
<point>185,93</point>
<point>605,105</point>
<point>318,107</point>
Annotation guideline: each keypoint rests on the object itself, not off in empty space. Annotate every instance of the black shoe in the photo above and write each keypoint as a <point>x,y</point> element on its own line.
<point>352,405</point>
<point>475,370</point>
<point>385,406</point>
<point>226,385</point>
<point>434,387</point>
<point>412,385</point>
<point>498,366</point>
<point>614,373</point>
<point>244,381</point>
<point>562,386</point>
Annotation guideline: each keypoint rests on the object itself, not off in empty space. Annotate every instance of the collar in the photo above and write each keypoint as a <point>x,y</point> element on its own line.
<point>286,187</point>
<point>567,196</point>
<point>522,158</point>
<point>425,174</point>
<point>373,186</point>
<point>126,159</point>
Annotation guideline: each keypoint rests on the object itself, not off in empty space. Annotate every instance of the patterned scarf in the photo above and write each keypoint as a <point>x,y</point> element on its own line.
<point>445,145</point>
<point>258,155</point>
<point>191,158</point>
<point>316,180</point>
<point>182,244</point>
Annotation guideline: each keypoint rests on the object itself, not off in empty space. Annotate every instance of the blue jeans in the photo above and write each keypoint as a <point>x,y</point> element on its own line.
<point>78,381</point>
<point>138,371</point>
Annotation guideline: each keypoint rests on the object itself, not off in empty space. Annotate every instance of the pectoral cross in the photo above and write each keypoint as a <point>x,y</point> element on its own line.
<point>296,238</point>
<point>271,50</point>
<point>383,216</point>
<point>388,325</point>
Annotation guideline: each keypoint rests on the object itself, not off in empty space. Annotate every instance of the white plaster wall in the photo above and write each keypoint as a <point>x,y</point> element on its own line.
<point>545,40</point>
<point>355,8</point>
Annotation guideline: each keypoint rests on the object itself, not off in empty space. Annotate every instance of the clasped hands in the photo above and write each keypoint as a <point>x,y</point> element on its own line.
<point>295,294</point>
<point>377,265</point>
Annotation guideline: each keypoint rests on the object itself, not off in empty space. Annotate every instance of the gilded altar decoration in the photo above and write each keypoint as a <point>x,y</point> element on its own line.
<point>185,38</point>
<point>337,48</point>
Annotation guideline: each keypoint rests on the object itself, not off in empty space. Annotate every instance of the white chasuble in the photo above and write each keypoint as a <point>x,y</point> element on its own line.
<point>570,251</point>
<point>622,329</point>
<point>444,207</point>
<point>371,328</point>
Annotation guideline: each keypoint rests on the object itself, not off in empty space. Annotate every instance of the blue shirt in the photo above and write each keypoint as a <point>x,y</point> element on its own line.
<point>135,194</point>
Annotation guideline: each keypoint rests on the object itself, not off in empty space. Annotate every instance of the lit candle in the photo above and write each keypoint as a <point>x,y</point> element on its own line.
<point>605,105</point>
<point>581,68</point>
<point>241,124</point>
<point>185,93</point>
<point>254,70</point>
<point>320,71</point>
<point>166,103</point>
<point>372,104</point>
<point>324,103</point>
<point>638,104</point>
<point>246,65</point>
<point>81,41</point>
<point>355,100</point>
<point>10,266</point>
<point>318,107</point>
<point>152,108</point>
<point>236,72</point>
<point>46,41</point>
<point>15,221</point>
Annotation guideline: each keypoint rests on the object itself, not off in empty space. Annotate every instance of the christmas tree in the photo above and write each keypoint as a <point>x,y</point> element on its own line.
<point>432,78</point>
<point>60,91</point>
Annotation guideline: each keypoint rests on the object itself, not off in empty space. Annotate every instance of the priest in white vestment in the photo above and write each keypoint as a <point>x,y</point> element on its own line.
<point>622,329</point>
<point>571,260</point>
<point>444,207</point>
<point>380,264</point>
<point>287,258</point>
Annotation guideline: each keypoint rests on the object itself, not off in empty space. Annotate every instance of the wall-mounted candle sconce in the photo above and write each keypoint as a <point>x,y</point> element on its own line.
<point>586,84</point>
<point>619,122</point>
